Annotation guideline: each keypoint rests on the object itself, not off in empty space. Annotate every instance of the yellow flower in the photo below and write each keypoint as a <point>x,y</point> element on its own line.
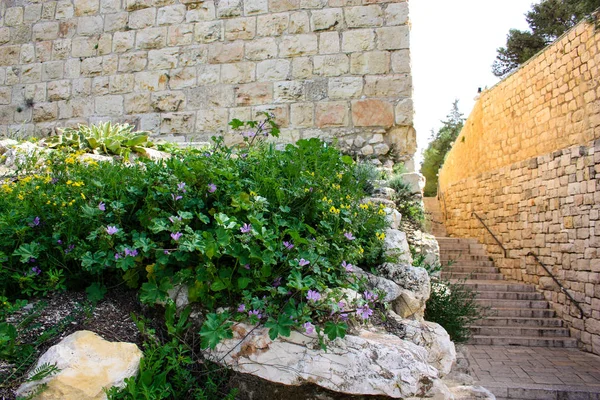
<point>340,176</point>
<point>20,197</point>
<point>324,198</point>
<point>361,250</point>
<point>306,190</point>
<point>253,193</point>
<point>380,235</point>
<point>69,182</point>
<point>6,188</point>
<point>82,196</point>
<point>48,202</point>
<point>381,212</point>
<point>364,206</point>
<point>334,210</point>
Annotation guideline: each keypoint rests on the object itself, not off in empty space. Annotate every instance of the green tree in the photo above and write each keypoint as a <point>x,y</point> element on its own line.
<point>547,20</point>
<point>441,143</point>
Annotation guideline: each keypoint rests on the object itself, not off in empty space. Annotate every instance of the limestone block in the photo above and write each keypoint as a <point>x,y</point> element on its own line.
<point>242,72</point>
<point>283,5</point>
<point>261,49</point>
<point>329,43</point>
<point>82,107</point>
<point>110,6</point>
<point>87,365</point>
<point>45,112</point>
<point>364,16</point>
<point>381,149</point>
<point>331,65</point>
<point>399,85</point>
<point>372,112</point>
<point>86,7</point>
<point>209,74</point>
<point>170,15</point>
<point>109,105</point>
<point>302,68</point>
<point>168,101</point>
<point>137,103</point>
<point>182,78</point>
<point>88,26</point>
<point>9,55</point>
<point>401,61</point>
<point>288,91</point>
<point>83,47</point>
<point>256,7</point>
<point>240,28</point>
<point>105,44</point>
<point>182,122</point>
<point>45,31</point>
<point>32,13</point>
<point>180,35</point>
<point>393,38</point>
<point>299,23</point>
<point>313,3</point>
<point>272,24</point>
<point>91,66</point>
<point>345,88</point>
<point>204,11</point>
<point>358,40</point>
<point>374,62</point>
<point>13,16</point>
<point>329,18</point>
<point>241,113</point>
<point>5,95</point>
<point>151,38</point>
<point>302,114</point>
<point>100,86</point>
<point>123,41</point>
<point>208,97</point>
<point>31,73</point>
<point>396,14</point>
<point>4,34</point>
<point>193,55</point>
<point>36,91</point>
<point>81,86</point>
<point>254,93</point>
<point>330,114</point>
<point>48,10</point>
<point>273,70</point>
<point>43,51</point>
<point>220,53</point>
<point>298,45</point>
<point>132,62</point>
<point>229,8</point>
<point>27,53</point>
<point>404,112</point>
<point>143,18</point>
<point>64,10</point>
<point>211,120</point>
<point>281,112</point>
<point>166,58</point>
<point>59,90</point>
<point>122,83</point>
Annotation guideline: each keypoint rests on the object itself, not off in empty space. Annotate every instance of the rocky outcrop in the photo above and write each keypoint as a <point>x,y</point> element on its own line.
<point>427,246</point>
<point>88,364</point>
<point>395,245</point>
<point>415,288</point>
<point>415,181</point>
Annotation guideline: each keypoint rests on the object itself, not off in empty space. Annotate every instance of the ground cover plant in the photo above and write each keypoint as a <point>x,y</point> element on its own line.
<point>269,236</point>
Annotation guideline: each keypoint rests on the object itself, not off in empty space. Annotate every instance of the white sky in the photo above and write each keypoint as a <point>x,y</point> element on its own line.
<point>453,45</point>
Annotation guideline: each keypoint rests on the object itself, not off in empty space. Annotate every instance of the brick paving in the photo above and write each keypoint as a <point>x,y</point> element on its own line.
<point>536,372</point>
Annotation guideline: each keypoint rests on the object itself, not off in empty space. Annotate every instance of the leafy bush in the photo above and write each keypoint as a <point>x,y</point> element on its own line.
<point>260,232</point>
<point>453,306</point>
<point>406,202</point>
<point>365,173</point>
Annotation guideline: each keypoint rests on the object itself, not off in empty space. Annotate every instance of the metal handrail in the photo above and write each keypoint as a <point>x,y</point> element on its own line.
<point>491,233</point>
<point>562,288</point>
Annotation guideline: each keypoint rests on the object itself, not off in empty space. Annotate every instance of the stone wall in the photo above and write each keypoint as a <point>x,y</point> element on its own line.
<point>185,68</point>
<point>528,163</point>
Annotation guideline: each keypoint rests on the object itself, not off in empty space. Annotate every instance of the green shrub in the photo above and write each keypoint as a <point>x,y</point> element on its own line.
<point>453,306</point>
<point>252,229</point>
<point>405,200</point>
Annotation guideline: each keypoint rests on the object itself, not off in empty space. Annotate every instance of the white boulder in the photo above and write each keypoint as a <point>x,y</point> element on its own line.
<point>395,245</point>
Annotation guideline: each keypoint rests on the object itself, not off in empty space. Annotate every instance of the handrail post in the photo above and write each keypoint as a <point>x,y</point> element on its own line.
<point>490,232</point>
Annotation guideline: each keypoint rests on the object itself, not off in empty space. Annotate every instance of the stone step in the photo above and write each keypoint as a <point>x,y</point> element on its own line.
<point>445,258</point>
<point>523,341</point>
<point>460,246</point>
<point>521,331</point>
<point>520,321</point>
<point>476,276</point>
<point>446,253</point>
<point>513,312</point>
<point>493,303</point>
<point>469,269</point>
<point>510,295</point>
<point>529,391</point>
<point>496,286</point>
<point>469,263</point>
<point>444,240</point>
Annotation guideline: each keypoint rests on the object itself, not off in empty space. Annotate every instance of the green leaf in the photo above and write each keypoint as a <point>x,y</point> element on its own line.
<point>96,292</point>
<point>333,330</point>
<point>283,326</point>
<point>347,160</point>
<point>244,282</point>
<point>214,329</point>
<point>28,251</point>
<point>151,293</point>
<point>236,123</point>
<point>219,285</point>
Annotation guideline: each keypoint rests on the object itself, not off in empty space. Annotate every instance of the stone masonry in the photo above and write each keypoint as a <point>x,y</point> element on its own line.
<point>528,163</point>
<point>335,69</point>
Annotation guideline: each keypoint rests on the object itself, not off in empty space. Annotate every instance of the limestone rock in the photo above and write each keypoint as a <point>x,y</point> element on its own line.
<point>367,363</point>
<point>87,157</point>
<point>427,245</point>
<point>6,144</point>
<point>415,288</point>
<point>471,393</point>
<point>155,155</point>
<point>21,153</point>
<point>393,217</point>
<point>392,290</point>
<point>87,364</point>
<point>416,182</point>
<point>395,245</point>
<point>435,339</point>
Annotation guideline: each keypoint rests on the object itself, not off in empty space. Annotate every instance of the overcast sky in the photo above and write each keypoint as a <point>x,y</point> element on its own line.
<point>453,45</point>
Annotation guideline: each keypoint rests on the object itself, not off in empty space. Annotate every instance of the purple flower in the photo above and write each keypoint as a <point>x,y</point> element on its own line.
<point>313,296</point>
<point>255,312</point>
<point>176,236</point>
<point>364,312</point>
<point>246,228</point>
<point>36,270</point>
<point>102,206</point>
<point>344,317</point>
<point>212,188</point>
<point>59,241</point>
<point>31,260</point>
<point>111,230</point>
<point>341,305</point>
<point>181,187</point>
<point>166,252</point>
<point>69,249</point>
<point>370,296</point>
<point>241,308</point>
<point>131,253</point>
<point>54,181</point>
<point>35,222</point>
<point>309,328</point>
<point>249,134</point>
<point>175,198</point>
<point>288,245</point>
<point>117,256</point>
<point>247,266</point>
<point>349,236</point>
<point>277,282</point>
<point>173,219</point>
<point>347,266</point>
<point>303,262</point>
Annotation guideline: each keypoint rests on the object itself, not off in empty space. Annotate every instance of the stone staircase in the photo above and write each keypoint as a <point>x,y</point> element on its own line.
<point>517,314</point>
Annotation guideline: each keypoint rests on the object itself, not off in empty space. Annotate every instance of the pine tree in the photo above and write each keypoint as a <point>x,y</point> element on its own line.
<point>441,143</point>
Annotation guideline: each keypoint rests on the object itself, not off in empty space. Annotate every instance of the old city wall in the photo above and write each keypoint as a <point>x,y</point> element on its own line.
<point>184,68</point>
<point>528,163</point>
